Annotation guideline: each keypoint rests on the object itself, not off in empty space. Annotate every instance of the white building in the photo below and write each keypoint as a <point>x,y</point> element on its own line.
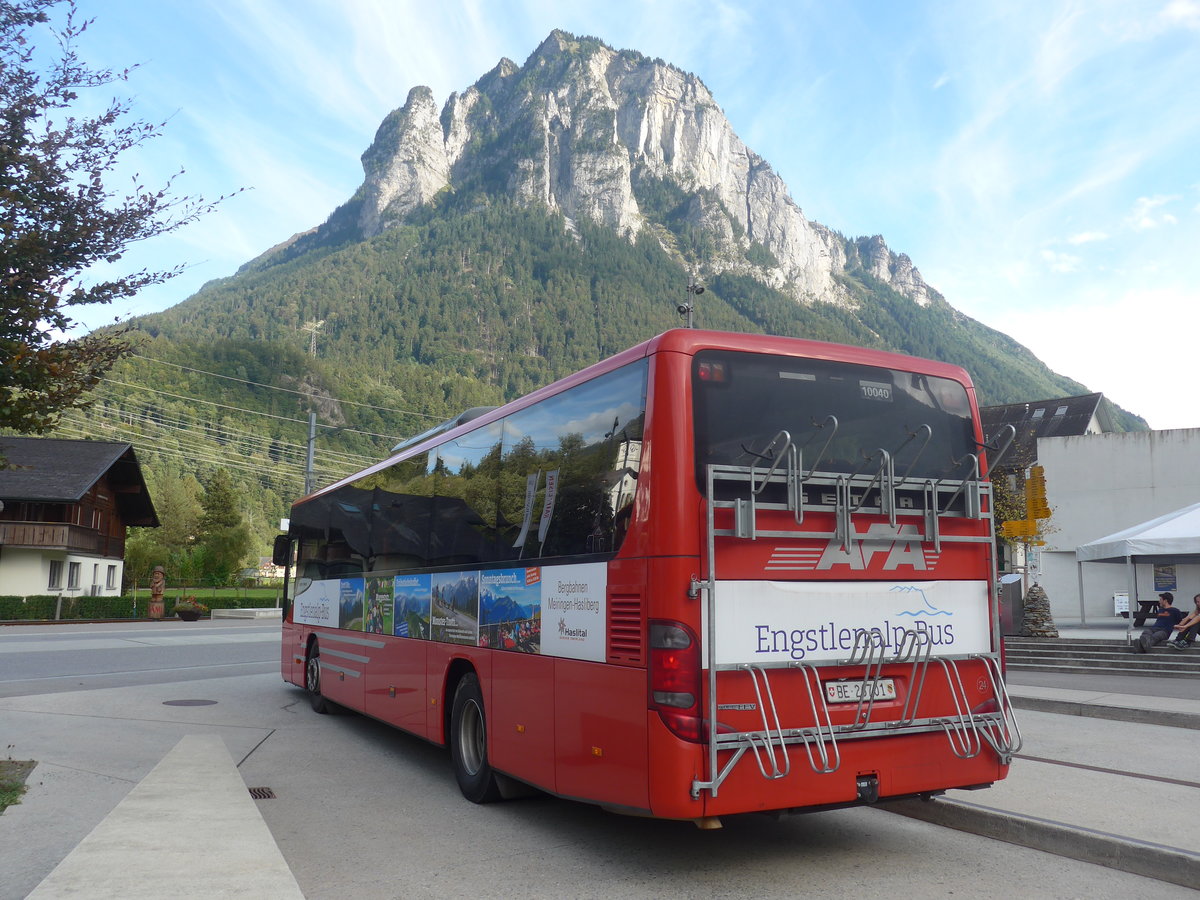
<point>64,509</point>
<point>1099,484</point>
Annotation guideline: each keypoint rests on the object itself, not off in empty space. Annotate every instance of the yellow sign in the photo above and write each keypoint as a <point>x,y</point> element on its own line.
<point>1019,528</point>
<point>1036,506</point>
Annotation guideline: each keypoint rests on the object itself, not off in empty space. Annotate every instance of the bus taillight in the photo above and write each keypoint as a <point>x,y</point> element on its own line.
<point>675,678</point>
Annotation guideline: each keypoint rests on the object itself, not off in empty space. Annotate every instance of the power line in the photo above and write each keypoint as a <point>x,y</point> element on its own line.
<point>271,387</point>
<point>292,475</point>
<point>285,473</point>
<point>251,412</point>
<point>82,426</point>
<point>180,422</point>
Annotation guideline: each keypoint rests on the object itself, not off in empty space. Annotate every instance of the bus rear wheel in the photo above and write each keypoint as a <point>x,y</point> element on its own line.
<point>312,680</point>
<point>468,743</point>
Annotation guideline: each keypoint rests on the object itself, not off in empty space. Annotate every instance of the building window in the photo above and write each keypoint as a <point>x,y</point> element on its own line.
<point>111,581</point>
<point>73,577</point>
<point>55,583</point>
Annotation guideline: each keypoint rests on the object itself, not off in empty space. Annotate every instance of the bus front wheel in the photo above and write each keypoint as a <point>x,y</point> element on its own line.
<point>312,680</point>
<point>468,743</point>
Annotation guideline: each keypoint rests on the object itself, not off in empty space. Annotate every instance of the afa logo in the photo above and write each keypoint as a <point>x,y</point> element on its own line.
<point>900,547</point>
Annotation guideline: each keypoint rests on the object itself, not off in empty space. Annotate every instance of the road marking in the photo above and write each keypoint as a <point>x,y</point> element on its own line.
<point>253,662</point>
<point>33,645</point>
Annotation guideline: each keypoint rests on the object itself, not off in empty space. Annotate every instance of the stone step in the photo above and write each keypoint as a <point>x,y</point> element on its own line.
<point>1114,657</point>
<point>1092,669</point>
<point>1025,643</point>
<point>1191,655</point>
<point>1098,657</point>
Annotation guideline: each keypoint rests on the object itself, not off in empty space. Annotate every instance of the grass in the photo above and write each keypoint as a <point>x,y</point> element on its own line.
<point>13,773</point>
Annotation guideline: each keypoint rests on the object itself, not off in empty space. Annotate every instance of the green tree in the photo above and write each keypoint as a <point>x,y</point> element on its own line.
<point>177,501</point>
<point>223,540</point>
<point>58,218</point>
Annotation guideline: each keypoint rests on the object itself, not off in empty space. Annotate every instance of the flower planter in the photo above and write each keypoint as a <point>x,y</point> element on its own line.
<point>188,615</point>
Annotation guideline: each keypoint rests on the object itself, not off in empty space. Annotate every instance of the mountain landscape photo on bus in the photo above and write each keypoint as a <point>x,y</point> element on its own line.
<point>510,609</point>
<point>351,604</point>
<point>455,612</point>
<point>413,598</point>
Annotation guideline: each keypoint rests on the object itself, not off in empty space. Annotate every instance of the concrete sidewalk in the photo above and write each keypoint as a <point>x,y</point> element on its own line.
<point>1115,788</point>
<point>188,829</point>
<point>1104,789</point>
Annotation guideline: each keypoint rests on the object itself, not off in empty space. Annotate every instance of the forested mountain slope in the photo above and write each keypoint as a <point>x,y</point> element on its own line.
<point>551,215</point>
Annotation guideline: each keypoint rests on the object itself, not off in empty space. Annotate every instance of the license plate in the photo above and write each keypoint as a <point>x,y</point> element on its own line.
<point>853,691</point>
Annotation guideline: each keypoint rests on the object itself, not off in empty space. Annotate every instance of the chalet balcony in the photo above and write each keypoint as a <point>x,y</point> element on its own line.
<point>58,536</point>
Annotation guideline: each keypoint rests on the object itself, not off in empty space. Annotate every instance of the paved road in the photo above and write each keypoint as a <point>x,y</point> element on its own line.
<point>46,659</point>
<point>362,810</point>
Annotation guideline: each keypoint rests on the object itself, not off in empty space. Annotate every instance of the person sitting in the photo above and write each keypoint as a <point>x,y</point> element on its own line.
<point>1188,628</point>
<point>1164,624</point>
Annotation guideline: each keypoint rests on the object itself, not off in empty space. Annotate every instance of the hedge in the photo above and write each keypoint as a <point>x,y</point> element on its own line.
<point>41,607</point>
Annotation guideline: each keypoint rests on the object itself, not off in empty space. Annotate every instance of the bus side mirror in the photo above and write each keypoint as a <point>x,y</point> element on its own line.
<point>281,551</point>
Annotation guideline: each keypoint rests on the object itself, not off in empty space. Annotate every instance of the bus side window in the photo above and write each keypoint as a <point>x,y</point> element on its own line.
<point>466,490</point>
<point>401,517</point>
<point>583,448</point>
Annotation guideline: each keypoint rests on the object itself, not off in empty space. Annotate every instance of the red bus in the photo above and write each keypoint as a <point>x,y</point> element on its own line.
<point>714,574</point>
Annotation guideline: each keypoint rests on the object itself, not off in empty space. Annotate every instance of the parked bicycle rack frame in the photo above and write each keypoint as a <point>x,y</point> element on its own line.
<point>967,732</point>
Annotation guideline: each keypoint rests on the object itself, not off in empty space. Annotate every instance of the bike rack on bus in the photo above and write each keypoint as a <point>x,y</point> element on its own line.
<point>965,730</point>
<point>868,651</point>
<point>1001,732</point>
<point>772,741</point>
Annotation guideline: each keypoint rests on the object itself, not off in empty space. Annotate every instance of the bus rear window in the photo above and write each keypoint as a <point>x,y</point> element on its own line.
<point>743,400</point>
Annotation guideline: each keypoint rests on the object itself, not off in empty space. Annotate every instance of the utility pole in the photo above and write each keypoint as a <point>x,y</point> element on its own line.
<point>312,443</point>
<point>313,327</point>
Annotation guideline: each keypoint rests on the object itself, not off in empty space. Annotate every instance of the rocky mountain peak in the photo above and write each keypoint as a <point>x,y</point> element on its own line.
<point>590,131</point>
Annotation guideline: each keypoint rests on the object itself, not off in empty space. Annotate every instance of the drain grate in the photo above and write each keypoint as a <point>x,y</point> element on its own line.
<point>262,793</point>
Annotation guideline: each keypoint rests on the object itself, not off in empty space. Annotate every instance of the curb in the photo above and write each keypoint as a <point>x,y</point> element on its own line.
<point>1114,713</point>
<point>1149,860</point>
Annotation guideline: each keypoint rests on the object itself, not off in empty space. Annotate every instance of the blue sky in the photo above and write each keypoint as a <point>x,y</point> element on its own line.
<point>1038,161</point>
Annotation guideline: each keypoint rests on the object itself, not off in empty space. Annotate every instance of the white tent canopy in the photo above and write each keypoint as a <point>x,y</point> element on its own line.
<point>1174,535</point>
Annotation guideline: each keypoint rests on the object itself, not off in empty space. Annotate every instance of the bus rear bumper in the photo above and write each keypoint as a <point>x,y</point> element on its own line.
<point>868,770</point>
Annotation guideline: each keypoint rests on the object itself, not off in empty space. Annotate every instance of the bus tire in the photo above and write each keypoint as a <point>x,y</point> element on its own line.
<point>312,680</point>
<point>468,743</point>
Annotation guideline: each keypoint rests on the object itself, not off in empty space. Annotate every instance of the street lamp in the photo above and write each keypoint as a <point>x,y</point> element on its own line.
<point>687,309</point>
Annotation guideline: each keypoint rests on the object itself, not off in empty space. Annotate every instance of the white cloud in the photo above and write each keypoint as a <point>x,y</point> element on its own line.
<point>1061,262</point>
<point>1184,13</point>
<point>1086,237</point>
<point>1143,215</point>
